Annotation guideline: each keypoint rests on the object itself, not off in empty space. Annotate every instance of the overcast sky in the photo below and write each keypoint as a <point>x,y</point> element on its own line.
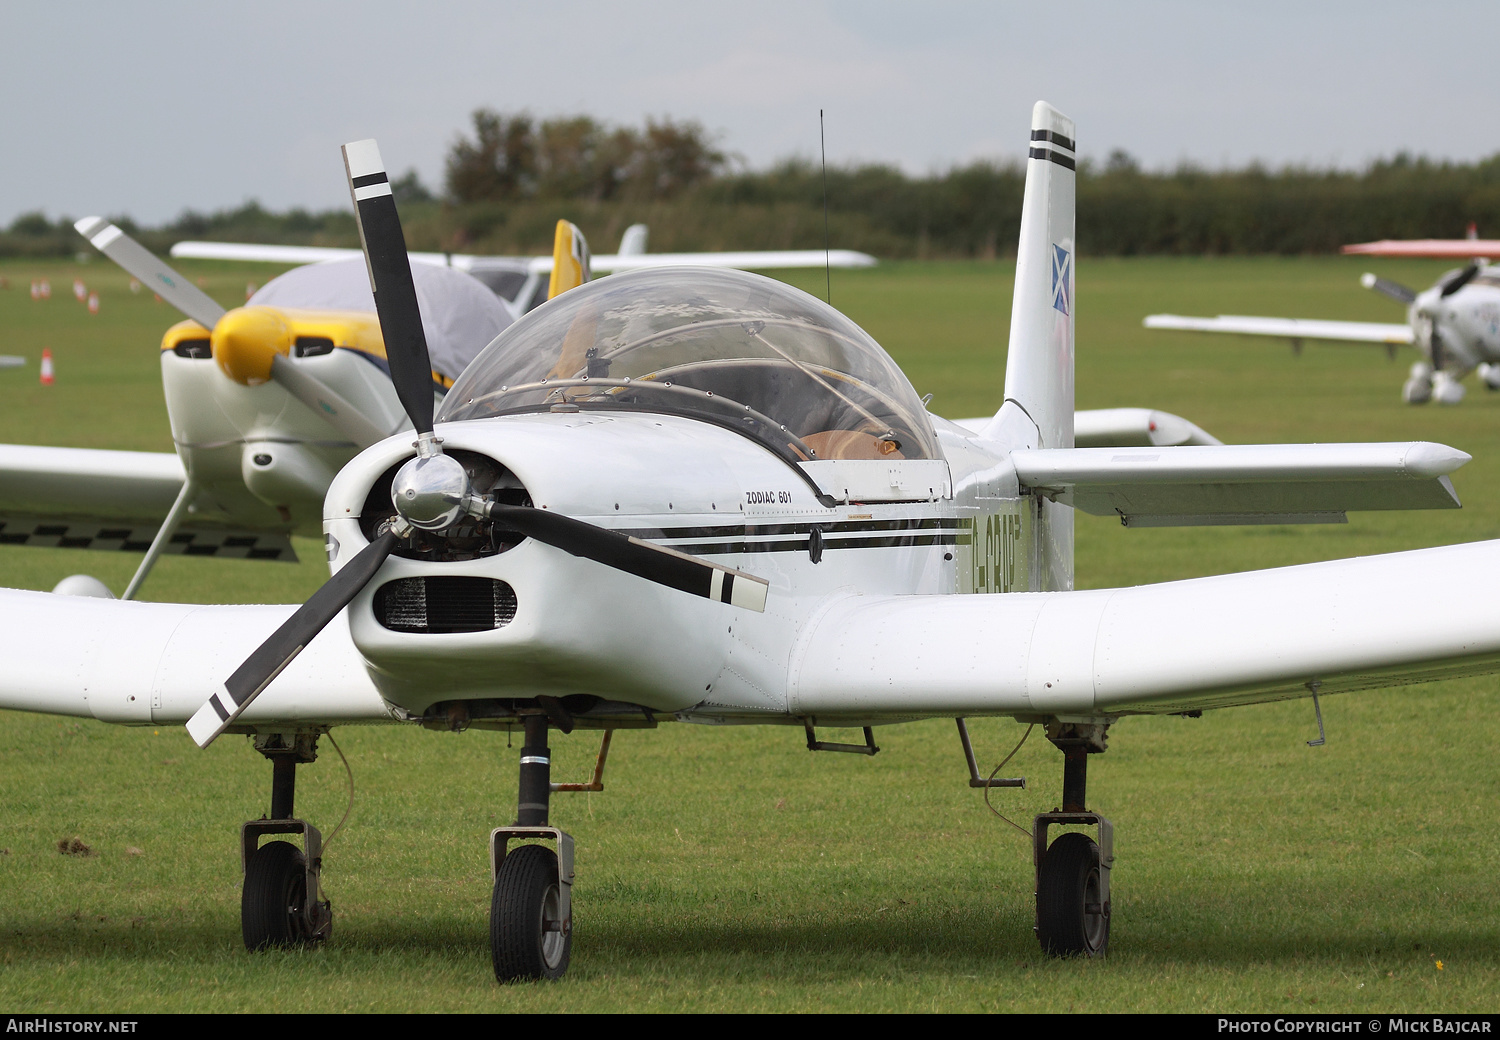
<point>149,109</point>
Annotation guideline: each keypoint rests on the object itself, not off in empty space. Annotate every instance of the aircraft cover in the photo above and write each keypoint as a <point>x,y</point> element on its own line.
<point>459,314</point>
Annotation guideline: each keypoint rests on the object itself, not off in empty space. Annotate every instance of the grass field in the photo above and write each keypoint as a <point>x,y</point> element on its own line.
<point>729,869</point>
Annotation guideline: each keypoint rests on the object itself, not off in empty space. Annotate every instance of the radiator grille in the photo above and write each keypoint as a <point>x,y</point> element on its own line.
<point>445,604</point>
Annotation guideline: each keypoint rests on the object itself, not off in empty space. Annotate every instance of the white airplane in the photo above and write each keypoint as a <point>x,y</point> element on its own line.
<point>266,403</point>
<point>267,406</point>
<point>523,281</point>
<point>706,496</point>
<point>1455,323</point>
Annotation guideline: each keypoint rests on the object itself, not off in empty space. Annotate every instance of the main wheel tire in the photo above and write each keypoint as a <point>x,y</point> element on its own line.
<point>1071,917</point>
<point>274,898</point>
<point>528,937</point>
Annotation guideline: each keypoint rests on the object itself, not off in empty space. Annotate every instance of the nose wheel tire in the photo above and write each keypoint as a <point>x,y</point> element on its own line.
<point>1072,920</point>
<point>274,899</point>
<point>529,939</point>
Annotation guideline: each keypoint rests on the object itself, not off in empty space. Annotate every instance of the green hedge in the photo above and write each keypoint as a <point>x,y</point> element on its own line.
<point>969,211</point>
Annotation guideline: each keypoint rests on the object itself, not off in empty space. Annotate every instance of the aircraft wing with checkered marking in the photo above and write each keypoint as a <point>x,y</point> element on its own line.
<point>86,498</point>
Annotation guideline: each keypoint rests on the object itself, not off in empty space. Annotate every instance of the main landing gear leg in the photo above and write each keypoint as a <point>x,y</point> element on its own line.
<point>1072,876</point>
<point>279,904</point>
<point>531,911</point>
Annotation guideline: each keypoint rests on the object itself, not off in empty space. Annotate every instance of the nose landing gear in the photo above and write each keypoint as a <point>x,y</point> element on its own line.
<point>1072,876</point>
<point>531,909</point>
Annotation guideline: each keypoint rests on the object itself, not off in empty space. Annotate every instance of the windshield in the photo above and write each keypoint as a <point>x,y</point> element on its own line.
<point>727,347</point>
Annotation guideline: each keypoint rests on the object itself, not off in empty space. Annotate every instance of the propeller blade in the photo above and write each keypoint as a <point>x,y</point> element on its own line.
<point>271,657</point>
<point>391,281</point>
<point>326,402</point>
<point>676,570</point>
<point>1460,280</point>
<point>1386,287</point>
<point>139,261</point>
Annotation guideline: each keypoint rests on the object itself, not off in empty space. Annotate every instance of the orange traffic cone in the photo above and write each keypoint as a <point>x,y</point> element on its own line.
<point>47,366</point>
<point>93,303</point>
<point>79,290</point>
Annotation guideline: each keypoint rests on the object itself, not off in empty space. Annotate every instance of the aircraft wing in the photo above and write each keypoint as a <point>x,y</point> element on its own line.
<point>272,254</point>
<point>1346,625</point>
<point>1429,248</point>
<point>1243,483</point>
<point>154,663</point>
<point>1122,428</point>
<point>747,261</point>
<point>84,498</point>
<point>1287,328</point>
<point>744,261</point>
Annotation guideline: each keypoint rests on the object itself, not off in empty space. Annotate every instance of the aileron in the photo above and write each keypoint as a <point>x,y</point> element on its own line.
<point>1243,483</point>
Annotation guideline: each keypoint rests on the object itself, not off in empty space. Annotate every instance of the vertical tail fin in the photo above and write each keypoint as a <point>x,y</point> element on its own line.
<point>571,262</point>
<point>633,242</point>
<point>1038,408</point>
<point>1039,363</point>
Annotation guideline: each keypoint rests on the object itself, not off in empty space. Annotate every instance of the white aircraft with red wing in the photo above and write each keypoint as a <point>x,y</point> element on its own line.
<point>1455,323</point>
<point>703,496</point>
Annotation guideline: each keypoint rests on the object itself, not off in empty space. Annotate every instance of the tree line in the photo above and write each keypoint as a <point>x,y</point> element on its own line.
<point>508,180</point>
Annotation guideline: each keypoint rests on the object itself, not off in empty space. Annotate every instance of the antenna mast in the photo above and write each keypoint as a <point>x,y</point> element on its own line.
<point>827,266</point>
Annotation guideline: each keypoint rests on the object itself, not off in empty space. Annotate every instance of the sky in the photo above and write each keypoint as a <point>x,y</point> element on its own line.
<point>146,110</point>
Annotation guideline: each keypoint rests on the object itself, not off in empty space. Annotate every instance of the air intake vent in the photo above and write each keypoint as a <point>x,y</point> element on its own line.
<point>444,604</point>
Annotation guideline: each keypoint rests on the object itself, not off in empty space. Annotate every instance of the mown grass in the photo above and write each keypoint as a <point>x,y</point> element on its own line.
<point>729,869</point>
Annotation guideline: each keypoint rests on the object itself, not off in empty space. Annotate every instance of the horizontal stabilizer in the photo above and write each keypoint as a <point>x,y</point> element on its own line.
<point>1121,428</point>
<point>1243,483</point>
<point>1135,427</point>
<point>1287,328</point>
<point>1263,635</point>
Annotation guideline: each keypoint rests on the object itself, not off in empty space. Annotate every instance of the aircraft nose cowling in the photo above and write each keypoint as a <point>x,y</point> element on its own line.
<point>246,340</point>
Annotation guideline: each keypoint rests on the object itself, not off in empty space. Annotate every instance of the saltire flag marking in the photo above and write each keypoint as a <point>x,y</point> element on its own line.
<point>1062,269</point>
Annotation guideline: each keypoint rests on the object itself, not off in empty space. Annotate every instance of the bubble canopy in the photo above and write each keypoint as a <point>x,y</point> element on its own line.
<point>735,349</point>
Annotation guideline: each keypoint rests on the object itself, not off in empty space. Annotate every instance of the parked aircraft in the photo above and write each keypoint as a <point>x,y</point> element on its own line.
<point>705,496</point>
<point>1455,324</point>
<point>266,403</point>
<point>283,392</point>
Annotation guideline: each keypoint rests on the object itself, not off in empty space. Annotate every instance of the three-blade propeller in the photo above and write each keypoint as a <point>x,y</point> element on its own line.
<point>432,492</point>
